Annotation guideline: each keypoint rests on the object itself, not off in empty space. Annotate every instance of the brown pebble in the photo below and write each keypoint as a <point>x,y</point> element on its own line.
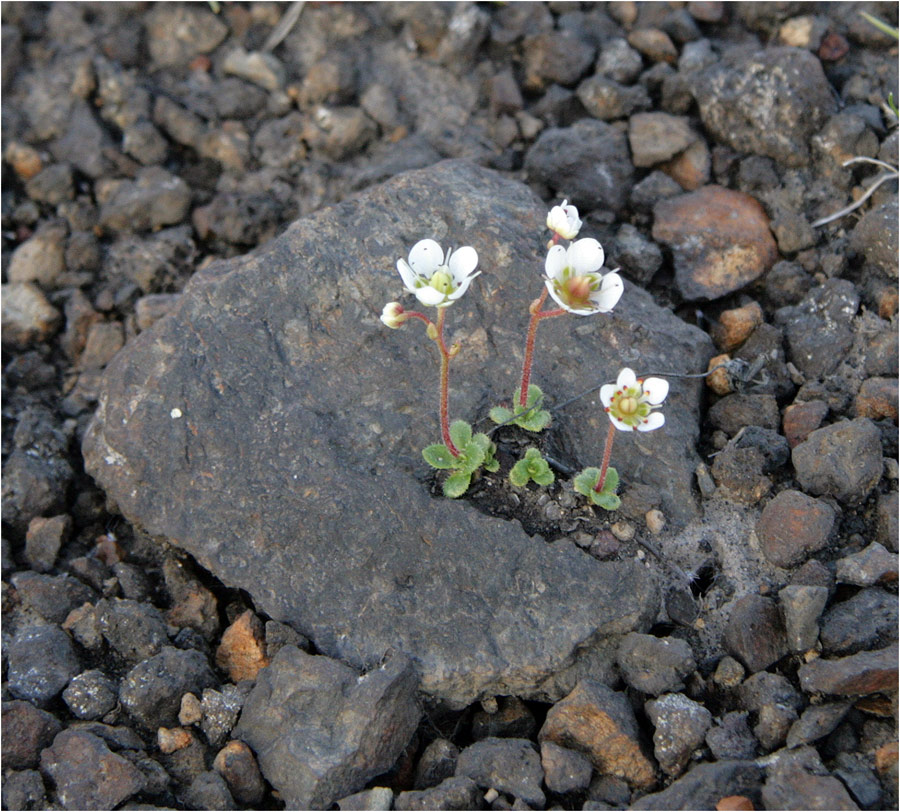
<point>887,299</point>
<point>792,526</point>
<point>170,739</point>
<point>833,47</point>
<point>735,802</point>
<point>25,161</point>
<point>691,168</point>
<point>656,520</point>
<point>720,240</point>
<point>735,326</point>
<point>191,710</point>
<point>719,381</point>
<point>236,763</point>
<point>109,551</point>
<point>801,419</point>
<point>242,650</point>
<point>877,398</point>
<point>654,44</point>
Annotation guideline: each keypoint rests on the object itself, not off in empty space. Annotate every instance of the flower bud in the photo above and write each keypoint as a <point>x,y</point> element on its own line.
<point>394,315</point>
<point>563,220</point>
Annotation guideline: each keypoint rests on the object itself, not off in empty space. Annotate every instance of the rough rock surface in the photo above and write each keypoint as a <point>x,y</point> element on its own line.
<point>320,730</point>
<point>294,456</point>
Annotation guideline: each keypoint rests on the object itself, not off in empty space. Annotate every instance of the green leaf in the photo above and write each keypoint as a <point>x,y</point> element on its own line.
<point>535,395</point>
<point>606,500</point>
<point>456,484</point>
<point>460,433</point>
<point>483,442</point>
<point>535,421</point>
<point>470,458</point>
<point>519,475</point>
<point>439,456</point>
<point>612,480</point>
<point>491,463</point>
<point>544,477</point>
<point>500,414</point>
<point>584,483</point>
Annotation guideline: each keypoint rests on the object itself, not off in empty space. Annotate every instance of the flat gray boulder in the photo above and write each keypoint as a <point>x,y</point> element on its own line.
<point>273,427</point>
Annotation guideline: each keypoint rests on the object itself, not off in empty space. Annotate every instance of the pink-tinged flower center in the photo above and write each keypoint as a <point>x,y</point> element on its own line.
<point>576,290</point>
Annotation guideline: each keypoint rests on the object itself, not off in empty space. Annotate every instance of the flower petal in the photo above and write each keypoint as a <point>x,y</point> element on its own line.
<point>606,394</point>
<point>626,378</point>
<point>426,257</point>
<point>407,274</point>
<point>586,256</point>
<point>462,262</point>
<point>555,262</point>
<point>654,421</point>
<point>610,292</point>
<point>463,286</point>
<point>655,390</point>
<point>427,295</point>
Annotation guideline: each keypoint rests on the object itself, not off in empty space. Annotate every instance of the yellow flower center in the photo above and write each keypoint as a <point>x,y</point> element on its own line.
<point>628,405</point>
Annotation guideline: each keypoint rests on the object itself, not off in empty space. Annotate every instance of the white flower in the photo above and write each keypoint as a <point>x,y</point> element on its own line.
<point>437,282</point>
<point>630,403</point>
<point>574,283</point>
<point>563,220</point>
<point>393,315</point>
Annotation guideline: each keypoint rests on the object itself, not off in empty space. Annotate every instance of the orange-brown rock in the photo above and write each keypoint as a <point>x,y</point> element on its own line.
<point>720,240</point>
<point>242,652</point>
<point>691,168</point>
<point>877,398</point>
<point>170,739</point>
<point>599,722</point>
<point>654,44</point>
<point>735,326</point>
<point>800,419</point>
<point>193,604</point>
<point>236,763</point>
<point>719,381</point>
<point>735,802</point>
<point>25,160</point>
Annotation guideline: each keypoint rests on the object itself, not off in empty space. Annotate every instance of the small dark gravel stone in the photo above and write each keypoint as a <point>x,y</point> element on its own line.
<point>207,791</point>
<point>555,57</point>
<point>731,738</point>
<point>91,695</point>
<point>680,728</point>
<point>799,780</point>
<point>135,630</point>
<point>772,725</point>
<point>151,692</point>
<point>755,632</point>
<point>42,660</point>
<point>816,722</point>
<point>639,257</point>
<point>875,235</point>
<point>53,185</point>
<point>765,688</point>
<point>437,762</point>
<point>864,673</point>
<point>236,763</point>
<point>33,484</point>
<point>457,792</point>
<point>705,785</point>
<point>843,460</point>
<point>655,665</point>
<point>87,774</point>
<point>26,731</point>
<point>564,770</point>
<point>801,607</point>
<point>588,161</point>
<point>854,771</point>
<point>734,412</point>
<point>44,539</point>
<point>818,330</point>
<point>153,199</point>
<point>24,789</point>
<point>607,100</point>
<point>887,509</point>
<point>864,621</point>
<point>871,565</point>
<point>507,765</point>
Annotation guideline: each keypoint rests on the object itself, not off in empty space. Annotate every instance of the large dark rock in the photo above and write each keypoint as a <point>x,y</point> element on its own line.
<point>273,427</point>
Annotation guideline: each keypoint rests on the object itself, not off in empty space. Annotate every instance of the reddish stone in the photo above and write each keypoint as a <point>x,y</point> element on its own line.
<point>800,419</point>
<point>720,240</point>
<point>877,398</point>
<point>739,803</point>
<point>691,168</point>
<point>792,526</point>
<point>735,326</point>
<point>833,47</point>
<point>600,723</point>
<point>868,672</point>
<point>242,652</point>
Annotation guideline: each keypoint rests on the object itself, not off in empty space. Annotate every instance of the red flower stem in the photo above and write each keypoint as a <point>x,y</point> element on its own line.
<point>607,453</point>
<point>445,384</point>
<point>536,315</point>
<point>414,314</point>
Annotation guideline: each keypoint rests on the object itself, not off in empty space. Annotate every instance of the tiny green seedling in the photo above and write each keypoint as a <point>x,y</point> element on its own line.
<point>532,467</point>
<point>473,452</point>
<point>586,483</point>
